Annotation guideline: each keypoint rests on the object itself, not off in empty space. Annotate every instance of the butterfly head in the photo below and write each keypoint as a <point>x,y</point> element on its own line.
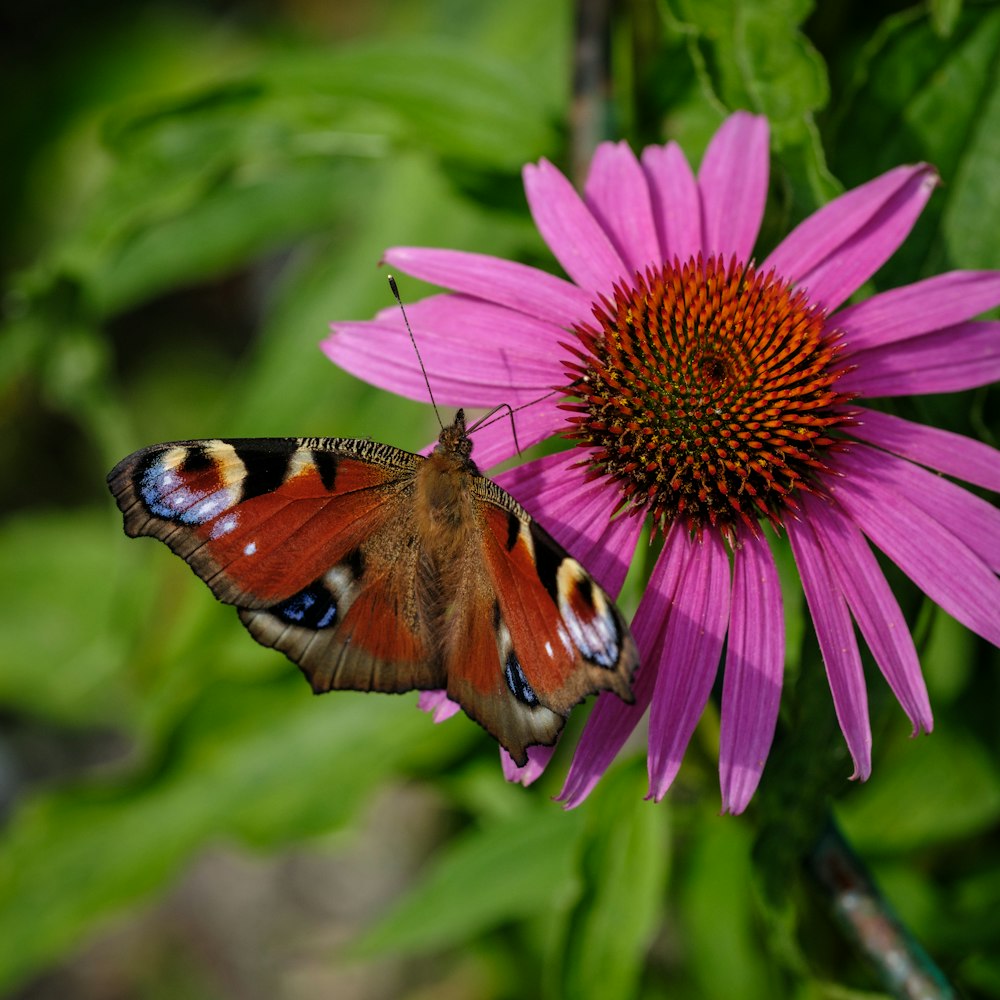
<point>454,439</point>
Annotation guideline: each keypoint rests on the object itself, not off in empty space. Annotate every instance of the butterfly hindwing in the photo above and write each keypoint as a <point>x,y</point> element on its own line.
<point>358,626</point>
<point>555,637</point>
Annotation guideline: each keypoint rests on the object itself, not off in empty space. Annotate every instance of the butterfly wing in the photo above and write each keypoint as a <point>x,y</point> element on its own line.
<point>551,638</point>
<point>312,539</point>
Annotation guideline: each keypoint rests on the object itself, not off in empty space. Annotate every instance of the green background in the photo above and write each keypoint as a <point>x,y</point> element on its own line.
<point>190,194</point>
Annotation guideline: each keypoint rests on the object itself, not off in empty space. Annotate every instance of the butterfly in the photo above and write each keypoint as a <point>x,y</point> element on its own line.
<point>375,569</point>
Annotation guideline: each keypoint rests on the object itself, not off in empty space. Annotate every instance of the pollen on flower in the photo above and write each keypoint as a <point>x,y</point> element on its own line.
<point>708,392</point>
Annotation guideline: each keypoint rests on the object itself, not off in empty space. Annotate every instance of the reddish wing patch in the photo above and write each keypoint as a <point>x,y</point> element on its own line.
<point>380,623</point>
<point>273,545</point>
<point>539,636</point>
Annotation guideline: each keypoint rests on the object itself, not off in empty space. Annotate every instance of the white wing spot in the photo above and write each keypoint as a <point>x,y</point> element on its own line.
<point>225,525</point>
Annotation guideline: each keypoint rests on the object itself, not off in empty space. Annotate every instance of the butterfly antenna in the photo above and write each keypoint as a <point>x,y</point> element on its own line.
<point>484,421</point>
<point>413,340</point>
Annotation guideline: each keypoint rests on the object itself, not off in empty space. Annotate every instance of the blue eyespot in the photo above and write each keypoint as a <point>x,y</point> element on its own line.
<point>313,608</point>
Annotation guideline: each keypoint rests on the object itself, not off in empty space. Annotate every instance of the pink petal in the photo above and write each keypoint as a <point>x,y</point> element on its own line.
<point>958,357</point>
<point>969,518</point>
<point>926,306</point>
<point>574,236</point>
<point>611,722</point>
<point>438,704</point>
<point>837,644</point>
<point>676,201</point>
<point>463,322</point>
<point>733,185</point>
<point>951,453</point>
<point>755,666</point>
<point>837,249</point>
<point>538,760</point>
<point>689,658</point>
<point>874,608</point>
<point>505,282</point>
<point>475,353</point>
<point>577,513</point>
<point>618,196</point>
<point>945,569</point>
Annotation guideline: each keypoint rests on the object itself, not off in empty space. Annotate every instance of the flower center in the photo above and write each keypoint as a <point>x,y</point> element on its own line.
<point>708,393</point>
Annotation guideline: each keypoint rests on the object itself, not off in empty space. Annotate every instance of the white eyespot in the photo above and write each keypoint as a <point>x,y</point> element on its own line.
<point>250,548</point>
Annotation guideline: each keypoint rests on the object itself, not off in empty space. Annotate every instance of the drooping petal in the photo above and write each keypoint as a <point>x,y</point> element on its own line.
<point>689,658</point>
<point>576,239</point>
<point>538,760</point>
<point>577,513</point>
<point>506,282</point>
<point>944,568</point>
<point>837,643</point>
<point>874,608</point>
<point>754,670</point>
<point>971,519</point>
<point>676,201</point>
<point>475,353</point>
<point>954,454</point>
<point>732,180</point>
<point>923,307</point>
<point>838,248</point>
<point>612,721</point>
<point>618,196</point>
<point>958,357</point>
<point>438,704</point>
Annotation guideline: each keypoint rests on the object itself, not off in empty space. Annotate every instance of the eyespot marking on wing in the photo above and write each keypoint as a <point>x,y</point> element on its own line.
<point>190,485</point>
<point>314,607</point>
<point>326,601</point>
<point>588,616</point>
<point>517,682</point>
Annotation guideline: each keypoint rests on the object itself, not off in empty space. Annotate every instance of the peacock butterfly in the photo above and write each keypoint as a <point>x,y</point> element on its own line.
<point>375,569</point>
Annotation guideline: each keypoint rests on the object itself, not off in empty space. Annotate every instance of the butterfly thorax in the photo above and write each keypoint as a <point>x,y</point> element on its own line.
<point>445,502</point>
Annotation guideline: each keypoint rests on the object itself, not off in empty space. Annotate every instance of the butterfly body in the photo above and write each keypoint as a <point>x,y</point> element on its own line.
<point>377,569</point>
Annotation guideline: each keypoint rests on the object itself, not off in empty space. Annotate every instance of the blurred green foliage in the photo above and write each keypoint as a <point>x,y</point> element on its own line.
<point>191,195</point>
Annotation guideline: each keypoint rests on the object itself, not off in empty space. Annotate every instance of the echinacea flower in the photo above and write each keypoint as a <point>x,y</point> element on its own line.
<point>720,400</point>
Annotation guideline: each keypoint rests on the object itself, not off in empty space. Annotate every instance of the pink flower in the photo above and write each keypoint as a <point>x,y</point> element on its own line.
<point>720,400</point>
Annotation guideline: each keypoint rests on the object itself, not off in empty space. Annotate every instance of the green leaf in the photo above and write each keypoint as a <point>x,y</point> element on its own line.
<point>267,763</point>
<point>63,641</point>
<point>751,54</point>
<point>719,915</point>
<point>407,200</point>
<point>920,96</point>
<point>506,871</point>
<point>931,790</point>
<point>944,14</point>
<point>626,854</point>
<point>201,183</point>
<point>460,103</point>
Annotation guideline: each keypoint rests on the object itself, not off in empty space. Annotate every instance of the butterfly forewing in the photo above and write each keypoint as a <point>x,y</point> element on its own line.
<point>260,519</point>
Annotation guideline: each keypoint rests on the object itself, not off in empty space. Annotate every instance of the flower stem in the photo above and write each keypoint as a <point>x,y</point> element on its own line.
<point>590,115</point>
<point>866,916</point>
